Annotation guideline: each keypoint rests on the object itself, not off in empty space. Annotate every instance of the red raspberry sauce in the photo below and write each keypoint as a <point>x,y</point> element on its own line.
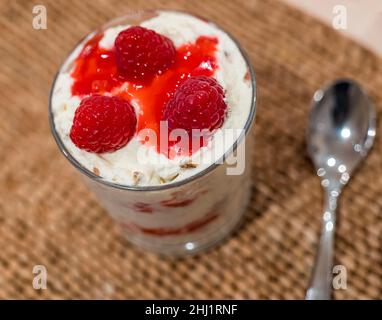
<point>160,232</point>
<point>95,71</point>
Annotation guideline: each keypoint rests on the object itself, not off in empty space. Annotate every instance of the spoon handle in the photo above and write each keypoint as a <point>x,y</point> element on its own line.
<point>321,281</point>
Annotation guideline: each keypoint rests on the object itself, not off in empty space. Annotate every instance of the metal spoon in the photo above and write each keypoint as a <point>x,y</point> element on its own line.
<point>341,131</point>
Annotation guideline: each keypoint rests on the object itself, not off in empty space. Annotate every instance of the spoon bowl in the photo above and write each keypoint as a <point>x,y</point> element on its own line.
<point>341,129</point>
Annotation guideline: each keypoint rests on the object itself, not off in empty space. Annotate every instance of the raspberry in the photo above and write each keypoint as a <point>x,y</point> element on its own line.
<point>103,124</point>
<point>142,53</point>
<point>198,103</point>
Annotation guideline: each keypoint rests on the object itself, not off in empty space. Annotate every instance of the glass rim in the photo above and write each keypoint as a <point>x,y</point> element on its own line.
<point>170,185</point>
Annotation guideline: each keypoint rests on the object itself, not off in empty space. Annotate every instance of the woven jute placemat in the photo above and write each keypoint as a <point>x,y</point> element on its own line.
<point>47,217</point>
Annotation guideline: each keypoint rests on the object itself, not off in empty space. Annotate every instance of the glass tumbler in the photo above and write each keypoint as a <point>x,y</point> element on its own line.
<point>180,217</point>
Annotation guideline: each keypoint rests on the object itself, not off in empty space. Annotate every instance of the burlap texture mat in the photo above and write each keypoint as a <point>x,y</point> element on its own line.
<point>47,217</point>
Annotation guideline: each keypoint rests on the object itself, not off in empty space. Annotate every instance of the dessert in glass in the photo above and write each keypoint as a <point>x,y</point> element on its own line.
<point>155,110</point>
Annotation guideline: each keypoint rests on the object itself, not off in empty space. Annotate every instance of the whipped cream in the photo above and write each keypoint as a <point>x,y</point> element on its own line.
<point>125,166</point>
